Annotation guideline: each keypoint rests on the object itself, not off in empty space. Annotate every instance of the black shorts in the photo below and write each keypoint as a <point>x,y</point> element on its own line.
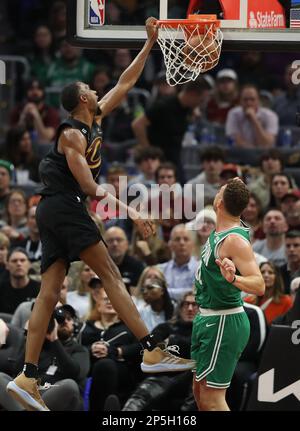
<point>66,228</point>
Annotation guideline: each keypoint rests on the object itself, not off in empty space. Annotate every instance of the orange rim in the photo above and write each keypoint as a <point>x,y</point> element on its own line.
<point>192,21</point>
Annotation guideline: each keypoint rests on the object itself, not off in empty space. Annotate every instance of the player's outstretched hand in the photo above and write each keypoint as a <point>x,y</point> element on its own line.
<point>152,29</point>
<point>145,227</point>
<point>227,268</point>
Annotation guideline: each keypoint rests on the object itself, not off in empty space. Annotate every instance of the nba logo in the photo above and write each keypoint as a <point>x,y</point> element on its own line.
<point>96,12</point>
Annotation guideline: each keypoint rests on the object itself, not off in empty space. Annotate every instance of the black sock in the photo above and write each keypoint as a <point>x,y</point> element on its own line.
<point>30,370</point>
<point>149,342</point>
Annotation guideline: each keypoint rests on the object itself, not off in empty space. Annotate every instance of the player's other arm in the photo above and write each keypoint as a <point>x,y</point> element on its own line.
<point>129,77</point>
<point>73,144</point>
<point>237,254</point>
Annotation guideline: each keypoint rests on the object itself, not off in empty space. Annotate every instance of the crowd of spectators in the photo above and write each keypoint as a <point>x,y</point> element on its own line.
<point>89,354</point>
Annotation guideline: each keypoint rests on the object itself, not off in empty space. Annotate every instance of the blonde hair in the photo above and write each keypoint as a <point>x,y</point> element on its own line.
<point>143,277</point>
<point>4,241</point>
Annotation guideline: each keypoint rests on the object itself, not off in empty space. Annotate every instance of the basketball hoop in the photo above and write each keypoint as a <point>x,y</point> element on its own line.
<point>189,46</point>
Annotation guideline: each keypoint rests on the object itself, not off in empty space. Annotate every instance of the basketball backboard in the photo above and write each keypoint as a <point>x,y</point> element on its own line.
<point>267,25</point>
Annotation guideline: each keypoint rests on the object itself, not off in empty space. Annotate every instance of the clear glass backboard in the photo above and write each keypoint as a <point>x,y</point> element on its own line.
<point>268,25</point>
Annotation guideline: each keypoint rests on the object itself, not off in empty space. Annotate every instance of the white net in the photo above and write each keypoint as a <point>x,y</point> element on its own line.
<point>189,51</point>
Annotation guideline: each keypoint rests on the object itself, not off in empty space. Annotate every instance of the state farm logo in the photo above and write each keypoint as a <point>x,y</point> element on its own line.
<point>268,19</point>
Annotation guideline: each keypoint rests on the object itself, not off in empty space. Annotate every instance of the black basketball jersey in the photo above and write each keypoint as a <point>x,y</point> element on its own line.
<point>55,174</point>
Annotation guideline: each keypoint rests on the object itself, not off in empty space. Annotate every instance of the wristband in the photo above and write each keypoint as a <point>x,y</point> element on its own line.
<point>234,279</point>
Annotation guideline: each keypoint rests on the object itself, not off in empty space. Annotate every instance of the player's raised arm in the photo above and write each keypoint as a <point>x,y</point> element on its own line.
<point>237,254</point>
<point>129,77</point>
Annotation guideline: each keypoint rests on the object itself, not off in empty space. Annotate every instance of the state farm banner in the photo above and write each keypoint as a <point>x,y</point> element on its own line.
<point>261,14</point>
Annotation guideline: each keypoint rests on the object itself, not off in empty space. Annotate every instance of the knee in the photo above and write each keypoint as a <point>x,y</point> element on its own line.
<point>208,401</point>
<point>49,294</point>
<point>207,405</point>
<point>71,386</point>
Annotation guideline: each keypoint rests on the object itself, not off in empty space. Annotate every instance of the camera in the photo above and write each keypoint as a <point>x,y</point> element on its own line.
<point>60,315</point>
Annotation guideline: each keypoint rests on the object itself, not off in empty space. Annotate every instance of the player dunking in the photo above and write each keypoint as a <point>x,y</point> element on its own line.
<point>68,174</point>
<point>221,329</point>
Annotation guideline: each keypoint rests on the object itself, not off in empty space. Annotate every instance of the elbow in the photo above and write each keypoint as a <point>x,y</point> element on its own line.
<point>88,190</point>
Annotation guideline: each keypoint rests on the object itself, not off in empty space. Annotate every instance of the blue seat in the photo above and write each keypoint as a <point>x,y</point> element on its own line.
<point>86,394</point>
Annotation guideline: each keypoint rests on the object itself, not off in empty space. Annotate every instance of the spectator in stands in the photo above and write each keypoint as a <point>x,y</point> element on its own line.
<point>70,66</point>
<point>22,313</point>
<point>273,246</point>
<point>58,20</point>
<point>201,227</point>
<point>252,215</point>
<point>63,365</point>
<point>266,99</point>
<point>159,307</point>
<point>250,125</point>
<point>281,183</point>
<point>32,244</point>
<point>251,69</point>
<point>160,125</point>
<point>15,285</point>
<point>150,273</point>
<point>160,88</point>
<point>180,271</point>
<point>4,247</point>
<point>163,391</point>
<point>43,52</point>
<point>129,267</point>
<point>101,81</point>
<point>291,269</point>
<point>228,172</point>
<point>18,150</point>
<point>290,206</point>
<point>115,177</point>
<point>289,200</point>
<point>287,103</point>
<point>293,314</point>
<point>121,60</point>
<point>117,127</point>
<point>151,252</point>
<point>79,298</point>
<point>225,97</point>
<point>35,115</point>
<point>114,352</point>
<point>16,208</point>
<point>6,173</point>
<point>167,204</point>
<point>271,163</point>
<point>148,160</point>
<point>7,34</point>
<point>274,302</point>
<point>293,217</point>
<point>212,160</point>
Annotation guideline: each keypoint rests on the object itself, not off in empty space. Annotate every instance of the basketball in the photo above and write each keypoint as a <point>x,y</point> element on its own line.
<point>201,48</point>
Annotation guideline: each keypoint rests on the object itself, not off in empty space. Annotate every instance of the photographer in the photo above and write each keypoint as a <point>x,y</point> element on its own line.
<point>63,366</point>
<point>114,351</point>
